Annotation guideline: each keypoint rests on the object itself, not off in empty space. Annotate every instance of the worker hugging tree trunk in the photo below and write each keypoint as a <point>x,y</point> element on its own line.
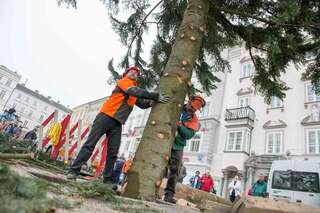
<point>112,116</point>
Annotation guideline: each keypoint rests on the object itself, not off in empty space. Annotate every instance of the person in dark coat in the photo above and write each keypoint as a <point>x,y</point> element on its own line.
<point>195,180</point>
<point>118,168</point>
<point>31,135</point>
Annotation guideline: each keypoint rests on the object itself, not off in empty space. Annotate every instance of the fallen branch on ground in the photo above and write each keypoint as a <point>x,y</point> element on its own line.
<point>16,156</point>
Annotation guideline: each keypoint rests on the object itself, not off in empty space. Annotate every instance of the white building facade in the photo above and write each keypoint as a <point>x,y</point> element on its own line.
<point>33,108</point>
<point>252,134</point>
<point>8,81</point>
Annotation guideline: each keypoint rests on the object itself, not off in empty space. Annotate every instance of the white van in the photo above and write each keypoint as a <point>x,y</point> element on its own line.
<point>295,181</point>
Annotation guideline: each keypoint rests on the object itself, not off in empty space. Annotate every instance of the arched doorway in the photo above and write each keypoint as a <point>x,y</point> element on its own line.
<point>228,174</point>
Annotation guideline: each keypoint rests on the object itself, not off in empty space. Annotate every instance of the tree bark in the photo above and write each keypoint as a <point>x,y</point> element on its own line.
<point>155,147</point>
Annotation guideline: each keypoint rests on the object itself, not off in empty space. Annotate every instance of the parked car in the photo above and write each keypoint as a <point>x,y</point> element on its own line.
<point>295,181</point>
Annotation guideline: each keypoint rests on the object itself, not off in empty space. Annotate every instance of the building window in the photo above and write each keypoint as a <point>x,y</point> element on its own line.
<point>9,82</point>
<point>315,113</point>
<point>126,147</point>
<point>22,110</point>
<point>238,141</point>
<point>274,142</point>
<point>194,143</point>
<point>19,96</point>
<point>27,99</point>
<point>136,145</point>
<point>45,108</point>
<point>205,110</point>
<point>246,70</point>
<point>30,114</point>
<point>276,102</point>
<point>244,101</point>
<point>130,124</point>
<point>41,118</point>
<point>138,120</point>
<point>2,94</point>
<point>34,103</point>
<point>313,141</point>
<point>311,95</point>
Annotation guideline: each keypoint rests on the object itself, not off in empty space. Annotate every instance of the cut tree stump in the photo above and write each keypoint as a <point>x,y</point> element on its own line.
<point>265,205</point>
<point>193,195</point>
<point>215,207</point>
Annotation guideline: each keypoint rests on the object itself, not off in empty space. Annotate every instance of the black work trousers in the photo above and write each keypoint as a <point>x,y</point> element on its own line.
<point>175,164</point>
<point>102,124</point>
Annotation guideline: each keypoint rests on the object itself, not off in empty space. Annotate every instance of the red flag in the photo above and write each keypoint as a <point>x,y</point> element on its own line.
<point>103,157</point>
<point>50,117</point>
<point>74,146</point>
<point>45,142</point>
<point>95,154</point>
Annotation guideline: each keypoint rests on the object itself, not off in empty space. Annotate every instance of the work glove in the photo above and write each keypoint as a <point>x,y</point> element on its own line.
<point>163,98</point>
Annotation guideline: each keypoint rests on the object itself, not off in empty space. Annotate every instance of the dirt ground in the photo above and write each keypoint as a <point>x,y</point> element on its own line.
<point>60,188</point>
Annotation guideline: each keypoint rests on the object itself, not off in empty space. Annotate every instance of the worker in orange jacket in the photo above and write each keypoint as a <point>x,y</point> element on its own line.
<point>186,129</point>
<point>126,166</point>
<point>113,114</point>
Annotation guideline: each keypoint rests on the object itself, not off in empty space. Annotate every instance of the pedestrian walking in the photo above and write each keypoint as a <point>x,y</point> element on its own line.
<point>234,189</point>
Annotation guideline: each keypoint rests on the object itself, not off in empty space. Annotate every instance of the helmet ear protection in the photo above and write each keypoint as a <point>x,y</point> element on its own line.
<point>197,98</point>
<point>137,69</point>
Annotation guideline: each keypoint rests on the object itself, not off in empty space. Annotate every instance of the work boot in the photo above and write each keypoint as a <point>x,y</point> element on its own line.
<point>72,176</point>
<point>115,187</point>
<point>108,180</point>
<point>169,198</point>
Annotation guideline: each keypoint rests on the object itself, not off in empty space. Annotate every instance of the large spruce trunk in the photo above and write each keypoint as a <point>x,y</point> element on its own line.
<point>154,150</point>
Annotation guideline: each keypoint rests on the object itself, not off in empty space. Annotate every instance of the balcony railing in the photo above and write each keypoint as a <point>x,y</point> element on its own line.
<point>240,113</point>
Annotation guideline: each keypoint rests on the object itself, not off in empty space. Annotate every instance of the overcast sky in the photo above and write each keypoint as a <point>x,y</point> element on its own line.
<point>62,52</point>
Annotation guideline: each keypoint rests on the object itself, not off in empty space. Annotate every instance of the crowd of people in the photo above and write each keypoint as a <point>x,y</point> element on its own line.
<point>11,126</point>
<point>204,183</point>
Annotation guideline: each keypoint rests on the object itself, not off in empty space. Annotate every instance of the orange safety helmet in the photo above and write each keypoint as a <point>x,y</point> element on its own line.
<point>137,69</point>
<point>197,102</point>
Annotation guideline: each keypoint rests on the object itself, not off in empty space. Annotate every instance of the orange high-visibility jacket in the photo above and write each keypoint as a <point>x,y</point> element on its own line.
<point>126,166</point>
<point>126,94</point>
<point>119,105</point>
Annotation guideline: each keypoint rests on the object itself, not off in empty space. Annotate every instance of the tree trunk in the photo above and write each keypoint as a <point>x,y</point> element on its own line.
<point>155,147</point>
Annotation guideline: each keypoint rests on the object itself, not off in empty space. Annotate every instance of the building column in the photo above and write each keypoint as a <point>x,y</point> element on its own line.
<point>243,179</point>
<point>224,188</point>
<point>250,172</point>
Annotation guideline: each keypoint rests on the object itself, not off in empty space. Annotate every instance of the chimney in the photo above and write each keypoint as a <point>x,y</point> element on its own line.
<point>49,97</point>
<point>58,101</point>
<point>37,91</point>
